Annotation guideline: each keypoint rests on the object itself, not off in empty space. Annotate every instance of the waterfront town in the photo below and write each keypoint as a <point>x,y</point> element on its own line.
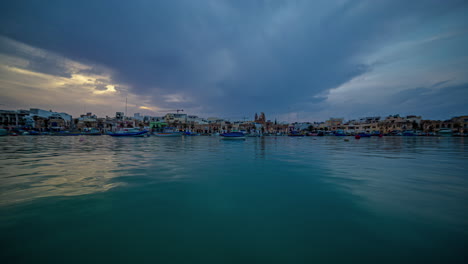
<point>37,120</point>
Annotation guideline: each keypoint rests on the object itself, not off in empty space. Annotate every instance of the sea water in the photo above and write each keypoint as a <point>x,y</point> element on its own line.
<point>204,200</point>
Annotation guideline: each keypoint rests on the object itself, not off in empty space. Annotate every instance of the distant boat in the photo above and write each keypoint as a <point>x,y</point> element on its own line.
<point>91,132</point>
<point>445,132</point>
<point>66,133</point>
<point>129,133</point>
<point>361,135</point>
<point>191,134</point>
<point>340,133</point>
<point>3,132</point>
<point>168,132</point>
<point>408,133</point>
<point>34,133</point>
<point>233,135</point>
<point>295,134</point>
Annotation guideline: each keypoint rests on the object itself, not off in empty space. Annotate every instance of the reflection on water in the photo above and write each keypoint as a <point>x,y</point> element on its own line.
<point>271,199</point>
<point>34,167</point>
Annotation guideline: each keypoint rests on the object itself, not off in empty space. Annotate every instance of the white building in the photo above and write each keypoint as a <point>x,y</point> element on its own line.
<point>173,118</point>
<point>49,114</point>
<point>137,116</point>
<point>193,119</point>
<point>214,120</point>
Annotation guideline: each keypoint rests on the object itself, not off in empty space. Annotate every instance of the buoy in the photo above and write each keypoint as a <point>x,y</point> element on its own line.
<point>357,136</point>
<point>380,135</point>
<point>81,139</point>
<point>346,139</point>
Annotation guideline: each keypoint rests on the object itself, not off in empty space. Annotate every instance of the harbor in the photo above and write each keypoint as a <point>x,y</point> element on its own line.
<point>232,132</point>
<point>41,122</point>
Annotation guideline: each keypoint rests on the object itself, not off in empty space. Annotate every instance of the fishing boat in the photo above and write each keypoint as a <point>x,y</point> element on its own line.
<point>168,132</point>
<point>66,133</point>
<point>191,134</point>
<point>340,133</point>
<point>129,133</point>
<point>361,135</point>
<point>445,133</point>
<point>295,134</point>
<point>91,132</point>
<point>233,135</point>
<point>34,133</point>
<point>408,133</point>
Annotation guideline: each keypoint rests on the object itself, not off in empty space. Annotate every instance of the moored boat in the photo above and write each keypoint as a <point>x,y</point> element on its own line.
<point>91,132</point>
<point>66,133</point>
<point>233,135</point>
<point>361,135</point>
<point>191,134</point>
<point>408,133</point>
<point>295,134</point>
<point>34,133</point>
<point>445,133</point>
<point>340,133</point>
<point>129,133</point>
<point>168,132</point>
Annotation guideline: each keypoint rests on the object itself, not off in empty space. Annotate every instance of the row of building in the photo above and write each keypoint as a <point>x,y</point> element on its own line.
<point>391,123</point>
<point>39,119</point>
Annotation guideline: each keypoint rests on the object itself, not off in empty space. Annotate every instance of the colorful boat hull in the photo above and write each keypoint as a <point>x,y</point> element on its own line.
<point>169,134</point>
<point>233,136</point>
<point>129,134</point>
<point>361,135</point>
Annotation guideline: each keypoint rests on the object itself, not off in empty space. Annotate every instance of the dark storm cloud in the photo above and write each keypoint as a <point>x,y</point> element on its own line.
<point>439,104</point>
<point>225,56</point>
<point>36,61</point>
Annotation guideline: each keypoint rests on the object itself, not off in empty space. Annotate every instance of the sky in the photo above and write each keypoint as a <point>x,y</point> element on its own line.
<point>294,60</point>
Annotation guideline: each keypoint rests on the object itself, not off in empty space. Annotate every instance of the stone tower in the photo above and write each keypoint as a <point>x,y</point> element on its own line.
<point>261,118</point>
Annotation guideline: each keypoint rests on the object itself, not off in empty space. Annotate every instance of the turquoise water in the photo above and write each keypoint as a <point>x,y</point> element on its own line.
<point>205,200</point>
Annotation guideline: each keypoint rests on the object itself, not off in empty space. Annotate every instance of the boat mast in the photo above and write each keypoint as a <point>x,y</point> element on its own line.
<point>125,107</point>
